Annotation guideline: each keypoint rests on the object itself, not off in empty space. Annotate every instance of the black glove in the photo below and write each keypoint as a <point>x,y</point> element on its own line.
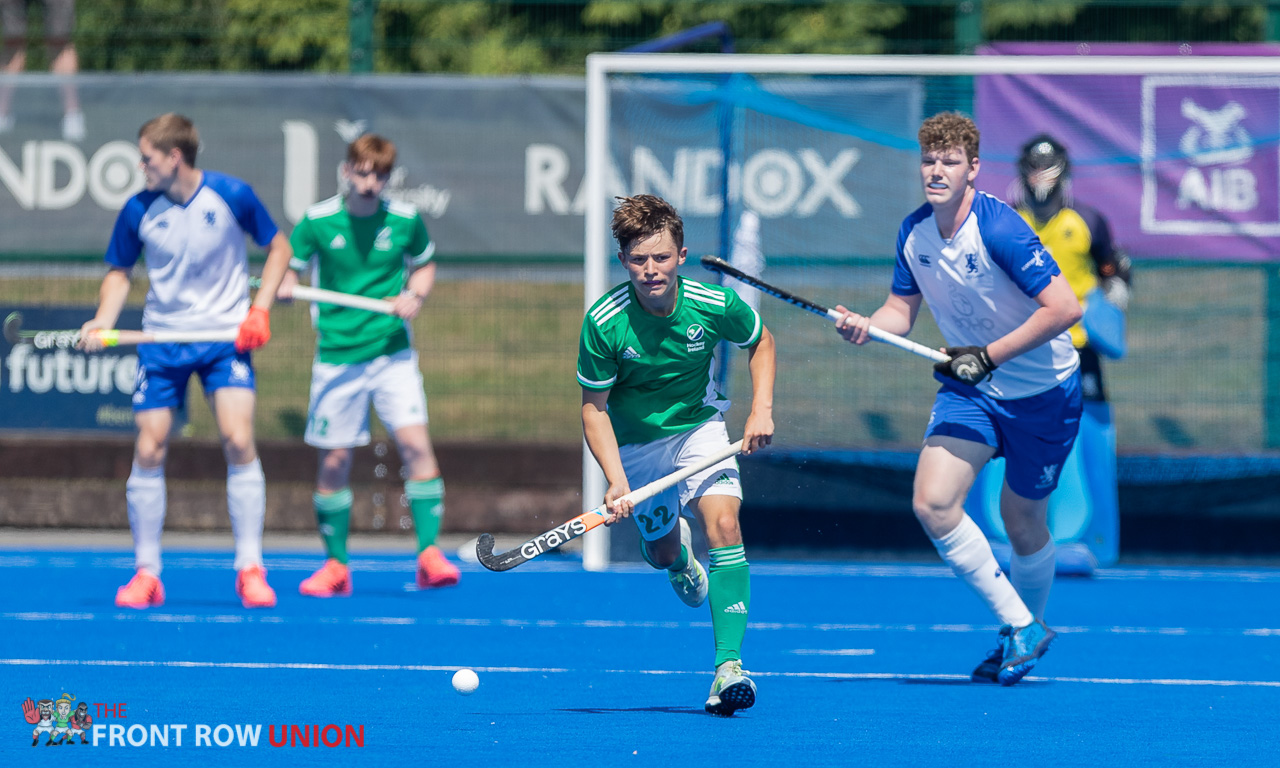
<point>971,365</point>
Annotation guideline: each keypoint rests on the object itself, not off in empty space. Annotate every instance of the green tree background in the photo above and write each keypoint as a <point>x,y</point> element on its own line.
<point>538,36</point>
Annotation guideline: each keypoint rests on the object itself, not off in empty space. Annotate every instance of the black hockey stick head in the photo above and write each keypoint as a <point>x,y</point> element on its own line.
<point>717,264</point>
<point>501,562</point>
<point>13,328</point>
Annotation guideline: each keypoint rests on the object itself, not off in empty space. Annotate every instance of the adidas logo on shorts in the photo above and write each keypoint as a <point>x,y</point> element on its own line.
<point>723,479</point>
<point>738,607</point>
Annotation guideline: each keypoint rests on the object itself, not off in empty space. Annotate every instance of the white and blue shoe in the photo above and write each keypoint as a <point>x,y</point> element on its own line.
<point>731,690</point>
<point>1022,649</point>
<point>690,584</point>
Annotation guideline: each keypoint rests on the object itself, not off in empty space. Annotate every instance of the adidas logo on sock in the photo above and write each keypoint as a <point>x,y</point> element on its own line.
<point>630,354</point>
<point>738,607</point>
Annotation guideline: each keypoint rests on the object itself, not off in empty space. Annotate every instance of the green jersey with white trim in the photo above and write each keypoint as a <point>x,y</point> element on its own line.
<point>658,370</point>
<point>365,256</point>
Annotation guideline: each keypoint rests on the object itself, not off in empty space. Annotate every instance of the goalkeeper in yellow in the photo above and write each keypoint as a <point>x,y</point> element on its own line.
<point>1079,239</point>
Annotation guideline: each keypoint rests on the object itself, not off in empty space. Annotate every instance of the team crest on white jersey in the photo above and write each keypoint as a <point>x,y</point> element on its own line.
<point>210,218</point>
<point>239,371</point>
<point>1047,476</point>
<point>338,241</point>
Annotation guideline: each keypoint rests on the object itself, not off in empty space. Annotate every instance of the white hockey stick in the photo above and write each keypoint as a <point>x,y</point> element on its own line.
<point>584,522</point>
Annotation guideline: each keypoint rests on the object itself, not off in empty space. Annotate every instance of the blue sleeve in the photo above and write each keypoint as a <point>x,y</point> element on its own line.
<point>1015,248</point>
<point>249,211</point>
<point>126,244</point>
<point>904,281</point>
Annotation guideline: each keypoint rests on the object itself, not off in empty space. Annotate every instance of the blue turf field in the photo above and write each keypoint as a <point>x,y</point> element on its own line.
<point>855,664</point>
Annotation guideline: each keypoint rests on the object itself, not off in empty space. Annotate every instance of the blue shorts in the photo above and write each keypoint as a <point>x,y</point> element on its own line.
<point>1033,434</point>
<point>165,369</point>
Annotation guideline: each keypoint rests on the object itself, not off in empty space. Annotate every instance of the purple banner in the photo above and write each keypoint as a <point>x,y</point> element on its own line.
<point>1183,166</point>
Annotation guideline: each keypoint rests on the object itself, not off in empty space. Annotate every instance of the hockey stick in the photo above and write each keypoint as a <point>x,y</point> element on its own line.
<point>579,525</point>
<point>65,339</point>
<point>720,265</point>
<point>325,296</point>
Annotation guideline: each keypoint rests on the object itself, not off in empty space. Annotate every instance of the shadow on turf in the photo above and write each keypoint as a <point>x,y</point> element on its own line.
<point>930,681</point>
<point>613,711</point>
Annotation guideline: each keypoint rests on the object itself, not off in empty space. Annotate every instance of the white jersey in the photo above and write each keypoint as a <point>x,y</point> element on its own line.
<point>196,258</point>
<point>981,284</point>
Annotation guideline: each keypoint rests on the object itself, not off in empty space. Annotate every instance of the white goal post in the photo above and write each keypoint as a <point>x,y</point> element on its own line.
<point>601,66</point>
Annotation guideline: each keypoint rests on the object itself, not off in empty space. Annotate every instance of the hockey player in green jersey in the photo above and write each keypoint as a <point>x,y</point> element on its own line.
<point>361,243</point>
<point>650,407</point>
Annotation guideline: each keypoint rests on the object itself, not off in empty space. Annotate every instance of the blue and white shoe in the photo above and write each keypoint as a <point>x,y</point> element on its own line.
<point>691,584</point>
<point>731,690</point>
<point>989,669</point>
<point>1023,649</point>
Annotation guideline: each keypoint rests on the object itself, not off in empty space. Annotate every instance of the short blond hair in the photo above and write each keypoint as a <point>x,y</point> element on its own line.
<point>947,130</point>
<point>172,131</point>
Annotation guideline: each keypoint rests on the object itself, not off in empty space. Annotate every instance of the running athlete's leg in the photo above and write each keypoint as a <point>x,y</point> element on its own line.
<point>729,575</point>
<point>1032,565</point>
<point>944,474</point>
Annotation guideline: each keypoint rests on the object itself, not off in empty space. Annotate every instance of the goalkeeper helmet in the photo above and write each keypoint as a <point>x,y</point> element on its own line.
<point>1043,167</point>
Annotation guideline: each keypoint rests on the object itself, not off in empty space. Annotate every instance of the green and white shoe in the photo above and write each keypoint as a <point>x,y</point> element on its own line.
<point>731,691</point>
<point>690,584</point>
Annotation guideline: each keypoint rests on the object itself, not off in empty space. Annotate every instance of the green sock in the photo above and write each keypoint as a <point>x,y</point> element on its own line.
<point>426,501</point>
<point>333,513</point>
<point>679,565</point>
<point>730,599</point>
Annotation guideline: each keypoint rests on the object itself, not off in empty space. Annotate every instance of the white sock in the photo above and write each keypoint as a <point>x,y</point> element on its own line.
<point>966,550</point>
<point>247,505</point>
<point>145,495</point>
<point>1032,576</point>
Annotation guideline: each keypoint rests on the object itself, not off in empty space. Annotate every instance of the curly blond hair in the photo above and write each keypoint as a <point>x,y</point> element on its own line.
<point>946,130</point>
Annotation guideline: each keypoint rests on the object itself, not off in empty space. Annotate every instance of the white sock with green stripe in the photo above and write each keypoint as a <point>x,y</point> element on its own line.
<point>730,598</point>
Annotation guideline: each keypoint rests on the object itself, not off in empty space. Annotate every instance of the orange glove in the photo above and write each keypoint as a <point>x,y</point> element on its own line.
<point>254,331</point>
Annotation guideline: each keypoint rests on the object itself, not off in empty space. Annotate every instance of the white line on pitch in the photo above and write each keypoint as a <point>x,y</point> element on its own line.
<point>761,626</point>
<point>1185,682</point>
<point>834,651</point>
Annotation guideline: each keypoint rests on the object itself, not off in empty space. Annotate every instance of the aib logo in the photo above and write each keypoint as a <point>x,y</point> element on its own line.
<point>694,332</point>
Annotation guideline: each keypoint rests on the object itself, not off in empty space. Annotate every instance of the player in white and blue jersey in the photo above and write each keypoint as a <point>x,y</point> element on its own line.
<point>1011,387</point>
<point>190,226</point>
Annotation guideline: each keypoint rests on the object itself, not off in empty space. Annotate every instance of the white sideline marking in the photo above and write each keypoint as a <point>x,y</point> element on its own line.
<point>1185,682</point>
<point>235,618</point>
<point>391,564</point>
<point>834,651</point>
